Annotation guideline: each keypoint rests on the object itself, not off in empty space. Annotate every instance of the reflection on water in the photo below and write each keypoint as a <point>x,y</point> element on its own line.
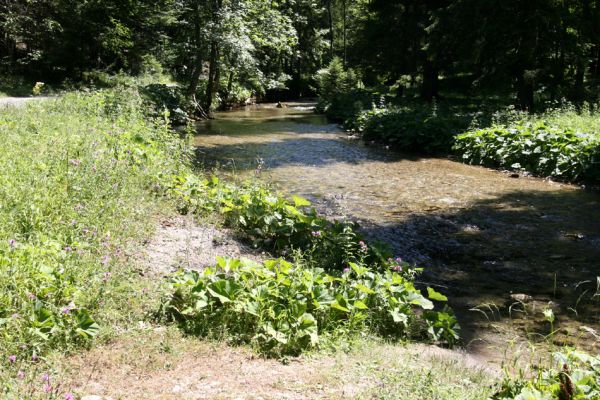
<point>482,234</point>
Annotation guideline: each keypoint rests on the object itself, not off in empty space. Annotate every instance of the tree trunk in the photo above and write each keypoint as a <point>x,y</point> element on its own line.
<point>344,33</point>
<point>212,75</point>
<point>429,88</point>
<point>525,93</point>
<point>197,67</point>
<point>330,15</point>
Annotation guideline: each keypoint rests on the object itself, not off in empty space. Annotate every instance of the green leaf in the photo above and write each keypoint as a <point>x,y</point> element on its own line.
<point>433,295</point>
<point>300,202</point>
<point>360,305</point>
<point>86,326</point>
<point>419,300</point>
<point>364,289</point>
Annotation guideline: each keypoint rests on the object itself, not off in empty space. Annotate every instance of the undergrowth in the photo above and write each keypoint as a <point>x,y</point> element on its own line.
<point>562,143</point>
<point>77,177</point>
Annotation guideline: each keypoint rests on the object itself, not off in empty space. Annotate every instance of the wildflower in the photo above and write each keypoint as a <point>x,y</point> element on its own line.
<point>69,396</point>
<point>12,359</point>
<point>47,388</point>
<point>105,260</point>
<point>21,375</point>
<point>34,358</point>
<point>31,296</point>
<point>398,260</point>
<point>74,162</point>
<point>12,243</point>
<point>106,276</point>
<point>15,316</point>
<point>316,234</point>
<point>346,270</point>
<point>67,310</point>
<point>363,246</point>
<point>46,378</point>
<point>397,268</point>
<point>68,249</point>
<point>74,222</point>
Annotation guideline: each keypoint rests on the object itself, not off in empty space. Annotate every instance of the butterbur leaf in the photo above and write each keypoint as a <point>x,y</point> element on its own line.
<point>300,202</point>
<point>223,289</point>
<point>433,295</point>
<point>364,289</point>
<point>398,317</point>
<point>419,300</point>
<point>86,326</point>
<point>275,334</point>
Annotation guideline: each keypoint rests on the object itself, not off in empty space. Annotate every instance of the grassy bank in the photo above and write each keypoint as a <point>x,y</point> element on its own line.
<point>80,180</point>
<point>77,183</point>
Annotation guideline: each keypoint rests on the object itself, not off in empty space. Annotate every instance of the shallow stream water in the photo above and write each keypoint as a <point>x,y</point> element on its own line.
<point>503,248</point>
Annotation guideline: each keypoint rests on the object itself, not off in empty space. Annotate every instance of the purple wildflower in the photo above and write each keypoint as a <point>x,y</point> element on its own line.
<point>74,162</point>
<point>12,243</point>
<point>47,388</point>
<point>34,358</point>
<point>316,233</point>
<point>12,359</point>
<point>68,249</point>
<point>46,378</point>
<point>106,276</point>
<point>67,310</point>
<point>105,260</point>
<point>21,375</point>
<point>363,246</point>
<point>397,268</point>
<point>31,296</point>
<point>346,270</point>
<point>15,316</point>
<point>69,396</point>
<point>398,259</point>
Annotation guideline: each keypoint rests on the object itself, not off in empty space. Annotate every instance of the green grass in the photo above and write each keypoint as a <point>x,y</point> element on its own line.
<point>77,183</point>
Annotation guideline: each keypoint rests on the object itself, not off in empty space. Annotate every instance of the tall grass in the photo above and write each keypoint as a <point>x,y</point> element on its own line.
<point>77,177</point>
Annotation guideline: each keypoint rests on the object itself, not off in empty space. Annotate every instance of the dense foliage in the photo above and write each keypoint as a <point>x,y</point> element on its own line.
<point>285,308</point>
<point>575,376</point>
<point>223,51</point>
<point>560,144</point>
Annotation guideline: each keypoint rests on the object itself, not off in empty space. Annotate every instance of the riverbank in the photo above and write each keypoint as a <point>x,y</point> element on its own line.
<point>84,269</point>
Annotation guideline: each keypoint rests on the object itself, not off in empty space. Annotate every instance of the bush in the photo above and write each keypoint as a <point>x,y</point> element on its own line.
<point>163,98</point>
<point>576,376</point>
<point>422,129</point>
<point>276,224</point>
<point>559,144</point>
<point>285,308</point>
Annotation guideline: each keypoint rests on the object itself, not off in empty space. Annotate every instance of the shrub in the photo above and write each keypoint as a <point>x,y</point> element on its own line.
<point>276,224</point>
<point>559,144</point>
<point>161,98</point>
<point>420,129</point>
<point>285,308</point>
<point>575,376</point>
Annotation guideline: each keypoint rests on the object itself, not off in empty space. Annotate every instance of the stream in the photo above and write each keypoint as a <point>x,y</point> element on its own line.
<point>503,248</point>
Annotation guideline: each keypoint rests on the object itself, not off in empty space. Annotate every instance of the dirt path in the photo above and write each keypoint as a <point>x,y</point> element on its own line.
<point>160,363</point>
<point>20,101</point>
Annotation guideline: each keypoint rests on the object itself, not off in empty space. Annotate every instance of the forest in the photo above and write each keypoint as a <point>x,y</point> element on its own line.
<point>367,199</point>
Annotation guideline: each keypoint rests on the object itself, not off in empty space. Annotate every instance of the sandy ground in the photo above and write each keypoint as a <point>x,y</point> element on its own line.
<point>180,242</point>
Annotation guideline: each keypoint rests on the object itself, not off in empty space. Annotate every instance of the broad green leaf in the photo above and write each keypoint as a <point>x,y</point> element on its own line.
<point>300,202</point>
<point>433,295</point>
